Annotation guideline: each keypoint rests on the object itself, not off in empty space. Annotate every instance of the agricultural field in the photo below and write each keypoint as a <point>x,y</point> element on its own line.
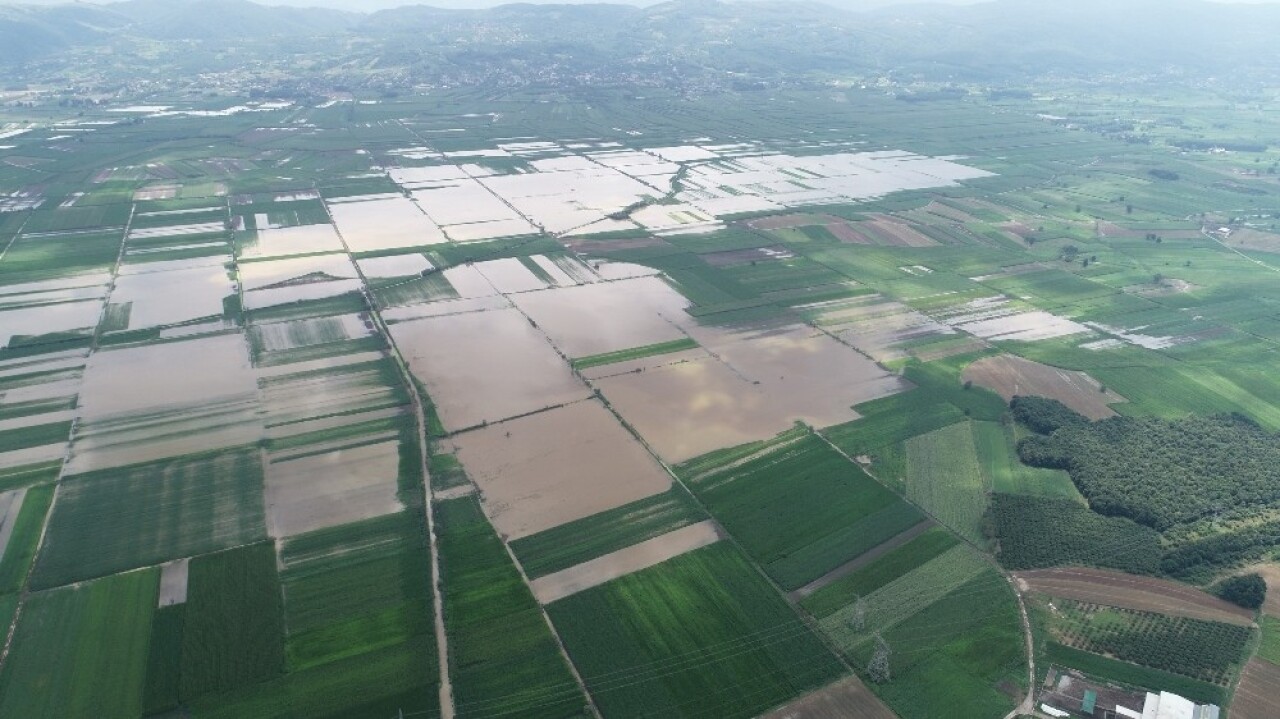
<point>82,651</point>
<point>503,657</point>
<point>943,477</point>
<point>701,634</point>
<point>679,405</point>
<point>843,513</point>
<point>1115,589</point>
<point>1201,650</point>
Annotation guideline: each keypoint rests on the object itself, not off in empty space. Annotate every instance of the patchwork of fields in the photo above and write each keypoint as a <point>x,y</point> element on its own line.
<point>484,407</point>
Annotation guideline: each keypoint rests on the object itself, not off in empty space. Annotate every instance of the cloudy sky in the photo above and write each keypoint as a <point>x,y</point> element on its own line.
<point>371,5</point>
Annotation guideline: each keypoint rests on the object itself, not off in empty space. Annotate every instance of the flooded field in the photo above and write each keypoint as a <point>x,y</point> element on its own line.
<point>877,326</point>
<point>156,299</point>
<point>278,336</point>
<point>648,553</point>
<point>384,225</point>
<point>332,488</point>
<point>544,470</point>
<point>276,282</point>
<point>510,276</point>
<point>751,386</point>
<point>486,367</point>
<point>48,319</point>
<point>394,266</point>
<point>287,241</point>
<point>139,403</point>
<point>608,316</point>
<point>137,379</point>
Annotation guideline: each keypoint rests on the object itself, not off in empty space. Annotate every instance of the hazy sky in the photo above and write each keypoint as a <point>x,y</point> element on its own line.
<point>371,5</point>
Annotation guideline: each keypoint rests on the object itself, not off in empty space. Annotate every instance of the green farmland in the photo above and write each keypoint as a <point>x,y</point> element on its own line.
<point>701,634</point>
<point>775,384</point>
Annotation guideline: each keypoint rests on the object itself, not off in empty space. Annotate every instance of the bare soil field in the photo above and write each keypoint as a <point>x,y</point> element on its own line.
<point>1117,589</point>
<point>783,222</point>
<point>899,233</point>
<point>1257,696</point>
<point>173,582</point>
<point>1166,288</point>
<point>646,554</point>
<point>948,212</point>
<point>588,246</point>
<point>731,258</point>
<point>846,699</point>
<point>1010,376</point>
<point>486,366</point>
<point>1254,240</point>
<point>1271,573</point>
<point>10,505</point>
<point>333,488</point>
<point>546,469</point>
<point>847,232</point>
<point>1110,229</point>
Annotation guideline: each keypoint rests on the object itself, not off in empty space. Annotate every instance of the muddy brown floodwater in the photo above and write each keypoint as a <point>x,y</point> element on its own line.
<point>608,316</point>
<point>753,385</point>
<point>547,469</point>
<point>486,366</point>
<point>333,488</point>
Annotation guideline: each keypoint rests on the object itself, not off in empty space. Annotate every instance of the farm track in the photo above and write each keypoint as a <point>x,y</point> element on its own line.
<point>447,709</point>
<point>860,561</point>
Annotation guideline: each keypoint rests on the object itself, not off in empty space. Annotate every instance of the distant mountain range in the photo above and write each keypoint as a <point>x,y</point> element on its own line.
<point>994,40</point>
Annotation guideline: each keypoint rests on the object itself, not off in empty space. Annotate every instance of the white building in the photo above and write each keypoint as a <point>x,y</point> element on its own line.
<point>1171,706</point>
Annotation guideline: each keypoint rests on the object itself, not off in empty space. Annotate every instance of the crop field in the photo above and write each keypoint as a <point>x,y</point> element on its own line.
<point>1205,651</point>
<point>23,533</point>
<point>1005,473</point>
<point>698,635</point>
<point>944,477</point>
<point>503,658</point>
<point>882,571</point>
<point>82,651</point>
<point>233,624</point>
<point>355,596</point>
<point>1134,675</point>
<point>579,541</point>
<point>843,512</point>
<point>951,625</point>
<point>741,288</point>
<point>146,514</point>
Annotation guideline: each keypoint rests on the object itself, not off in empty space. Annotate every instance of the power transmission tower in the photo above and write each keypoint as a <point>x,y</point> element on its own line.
<point>859,619</point>
<point>878,669</point>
